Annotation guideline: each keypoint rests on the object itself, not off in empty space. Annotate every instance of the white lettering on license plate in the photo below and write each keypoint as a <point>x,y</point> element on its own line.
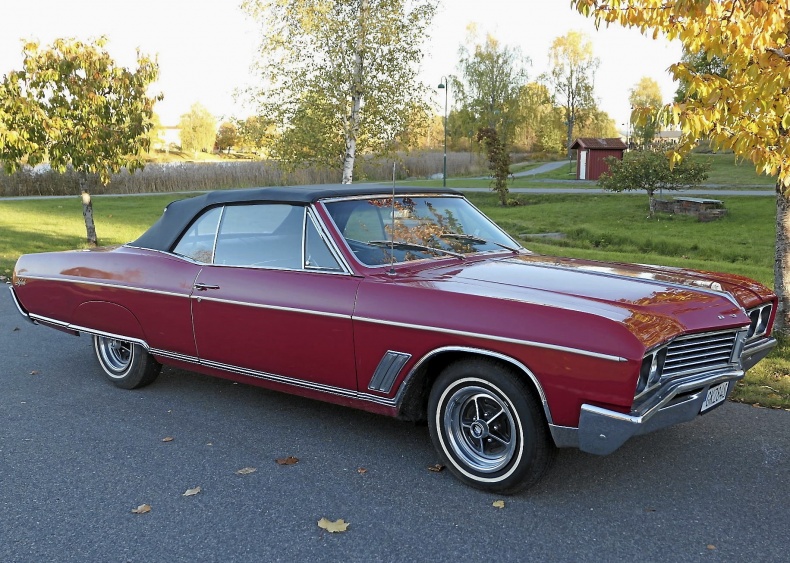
<point>715,396</point>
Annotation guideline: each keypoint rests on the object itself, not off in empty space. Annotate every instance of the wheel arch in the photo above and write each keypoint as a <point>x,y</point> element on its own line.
<point>104,318</point>
<point>413,395</point>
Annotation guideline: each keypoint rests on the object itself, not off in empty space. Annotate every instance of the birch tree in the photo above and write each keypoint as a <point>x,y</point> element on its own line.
<point>488,88</point>
<point>339,77</point>
<point>646,97</point>
<point>571,78</point>
<point>745,109</point>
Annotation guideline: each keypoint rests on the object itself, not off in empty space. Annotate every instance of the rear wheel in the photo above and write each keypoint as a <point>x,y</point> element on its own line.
<point>126,364</point>
<point>488,427</point>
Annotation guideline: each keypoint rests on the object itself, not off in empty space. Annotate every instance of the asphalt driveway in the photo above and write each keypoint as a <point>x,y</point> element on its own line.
<point>77,455</point>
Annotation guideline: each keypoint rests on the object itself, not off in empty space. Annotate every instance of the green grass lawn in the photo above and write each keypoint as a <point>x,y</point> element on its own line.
<point>596,226</point>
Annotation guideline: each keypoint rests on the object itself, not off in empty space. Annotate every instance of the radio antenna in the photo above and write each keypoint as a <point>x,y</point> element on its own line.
<point>392,225</point>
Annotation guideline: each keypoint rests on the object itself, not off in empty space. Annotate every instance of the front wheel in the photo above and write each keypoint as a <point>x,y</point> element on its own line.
<point>488,427</point>
<point>126,364</point>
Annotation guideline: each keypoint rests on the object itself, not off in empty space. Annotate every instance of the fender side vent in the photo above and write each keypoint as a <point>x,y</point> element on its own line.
<point>388,369</point>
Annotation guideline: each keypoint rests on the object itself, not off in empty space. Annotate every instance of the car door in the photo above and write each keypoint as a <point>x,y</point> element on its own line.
<point>275,302</point>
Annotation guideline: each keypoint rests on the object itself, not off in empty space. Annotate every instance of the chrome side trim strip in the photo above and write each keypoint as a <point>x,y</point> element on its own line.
<point>86,330</point>
<point>174,356</point>
<point>332,390</point>
<point>496,338</point>
<point>48,320</point>
<point>338,391</point>
<point>272,307</point>
<point>104,284</point>
<point>19,305</point>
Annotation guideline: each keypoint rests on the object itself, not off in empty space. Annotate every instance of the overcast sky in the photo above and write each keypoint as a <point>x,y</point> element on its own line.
<point>205,47</point>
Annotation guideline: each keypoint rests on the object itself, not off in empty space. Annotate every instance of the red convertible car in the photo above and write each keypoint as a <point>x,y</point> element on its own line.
<point>413,304</point>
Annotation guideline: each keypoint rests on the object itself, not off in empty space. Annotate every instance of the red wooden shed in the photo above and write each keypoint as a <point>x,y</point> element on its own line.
<point>592,153</point>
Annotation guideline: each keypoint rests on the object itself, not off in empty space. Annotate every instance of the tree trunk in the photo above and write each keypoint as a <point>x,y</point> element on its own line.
<point>352,129</point>
<point>782,260</point>
<point>652,200</point>
<point>87,210</point>
<point>87,213</point>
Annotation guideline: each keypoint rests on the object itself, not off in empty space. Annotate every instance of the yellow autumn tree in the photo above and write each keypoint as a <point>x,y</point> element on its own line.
<point>748,109</point>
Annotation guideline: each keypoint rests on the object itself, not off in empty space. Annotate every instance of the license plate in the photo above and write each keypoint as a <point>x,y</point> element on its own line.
<point>715,396</point>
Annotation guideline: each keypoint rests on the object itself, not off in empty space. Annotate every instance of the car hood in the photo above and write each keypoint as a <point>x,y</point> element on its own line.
<point>654,302</point>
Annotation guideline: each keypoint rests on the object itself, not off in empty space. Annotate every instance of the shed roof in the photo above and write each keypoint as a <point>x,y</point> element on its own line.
<point>596,143</point>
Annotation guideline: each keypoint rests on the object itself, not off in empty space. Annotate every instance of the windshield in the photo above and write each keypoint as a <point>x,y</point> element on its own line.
<point>423,227</point>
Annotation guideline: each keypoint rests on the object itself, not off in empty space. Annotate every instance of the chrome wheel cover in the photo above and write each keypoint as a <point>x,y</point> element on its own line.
<point>480,428</point>
<point>115,355</point>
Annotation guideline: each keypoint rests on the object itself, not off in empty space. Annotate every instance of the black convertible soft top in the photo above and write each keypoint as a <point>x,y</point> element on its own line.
<point>178,215</point>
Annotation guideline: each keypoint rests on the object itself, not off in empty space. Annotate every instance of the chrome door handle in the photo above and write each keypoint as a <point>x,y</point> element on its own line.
<point>205,286</point>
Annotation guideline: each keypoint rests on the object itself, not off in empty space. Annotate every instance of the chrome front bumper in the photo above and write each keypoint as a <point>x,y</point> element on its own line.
<point>602,431</point>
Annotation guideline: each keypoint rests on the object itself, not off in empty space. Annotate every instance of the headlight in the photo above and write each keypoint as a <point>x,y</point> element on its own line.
<point>759,317</point>
<point>650,372</point>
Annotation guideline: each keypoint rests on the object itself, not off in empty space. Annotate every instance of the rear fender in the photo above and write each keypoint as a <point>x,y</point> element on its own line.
<point>105,317</point>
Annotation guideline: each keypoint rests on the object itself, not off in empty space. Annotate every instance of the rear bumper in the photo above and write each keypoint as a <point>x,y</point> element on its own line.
<point>602,431</point>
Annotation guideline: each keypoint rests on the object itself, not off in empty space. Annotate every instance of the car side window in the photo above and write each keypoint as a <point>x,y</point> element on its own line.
<point>198,242</point>
<point>261,235</point>
<point>317,255</point>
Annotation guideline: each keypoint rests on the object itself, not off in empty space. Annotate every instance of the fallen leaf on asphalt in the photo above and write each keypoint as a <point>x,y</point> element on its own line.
<point>498,504</point>
<point>191,492</point>
<point>650,509</point>
<point>290,460</point>
<point>16,329</point>
<point>167,439</point>
<point>34,372</point>
<point>246,471</point>
<point>436,468</point>
<point>711,546</point>
<point>142,509</point>
<point>362,470</point>
<point>333,527</point>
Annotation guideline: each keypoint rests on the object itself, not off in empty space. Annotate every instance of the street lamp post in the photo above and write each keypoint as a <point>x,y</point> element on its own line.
<point>445,86</point>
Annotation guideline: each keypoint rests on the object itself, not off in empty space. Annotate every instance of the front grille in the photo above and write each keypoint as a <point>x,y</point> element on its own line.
<point>699,352</point>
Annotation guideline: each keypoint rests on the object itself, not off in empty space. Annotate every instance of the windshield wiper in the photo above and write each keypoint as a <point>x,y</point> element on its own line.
<point>412,246</point>
<point>477,240</point>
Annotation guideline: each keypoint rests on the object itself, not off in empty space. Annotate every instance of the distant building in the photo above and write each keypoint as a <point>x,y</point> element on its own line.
<point>592,154</point>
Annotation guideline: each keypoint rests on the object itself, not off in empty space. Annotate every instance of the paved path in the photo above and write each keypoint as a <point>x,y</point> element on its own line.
<point>77,455</point>
<point>543,168</point>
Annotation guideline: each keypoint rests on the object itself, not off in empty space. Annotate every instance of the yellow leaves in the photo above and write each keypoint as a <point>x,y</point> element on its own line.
<point>498,504</point>
<point>333,526</point>
<point>142,509</point>
<point>713,98</point>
